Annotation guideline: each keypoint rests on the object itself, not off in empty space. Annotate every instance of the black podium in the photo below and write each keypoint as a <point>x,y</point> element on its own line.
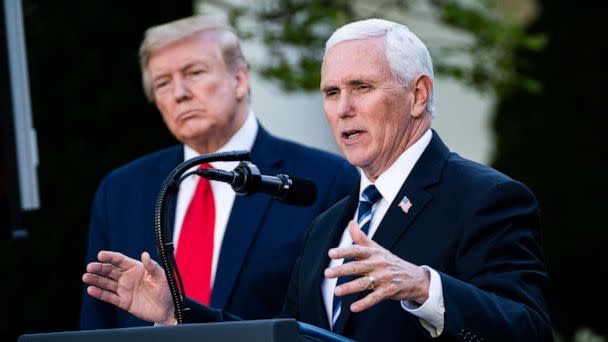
<point>272,330</point>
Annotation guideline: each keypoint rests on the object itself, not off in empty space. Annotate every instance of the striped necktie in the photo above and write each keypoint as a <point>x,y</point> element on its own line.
<point>364,217</point>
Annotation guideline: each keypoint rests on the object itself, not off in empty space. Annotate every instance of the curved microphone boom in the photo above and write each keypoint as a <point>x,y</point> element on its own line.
<point>164,243</point>
<point>246,179</point>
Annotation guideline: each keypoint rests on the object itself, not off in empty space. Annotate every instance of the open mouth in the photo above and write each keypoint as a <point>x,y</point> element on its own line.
<point>348,135</point>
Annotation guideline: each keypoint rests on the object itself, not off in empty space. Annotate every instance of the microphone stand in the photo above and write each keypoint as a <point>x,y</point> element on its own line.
<point>164,243</point>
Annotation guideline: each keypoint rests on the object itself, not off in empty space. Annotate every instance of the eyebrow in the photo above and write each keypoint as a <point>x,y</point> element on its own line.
<point>351,83</point>
<point>158,77</point>
<point>190,65</point>
<point>182,69</point>
<point>328,88</point>
<point>357,82</point>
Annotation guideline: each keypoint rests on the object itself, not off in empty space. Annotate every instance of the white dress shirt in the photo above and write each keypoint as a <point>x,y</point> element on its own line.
<point>432,310</point>
<point>223,194</point>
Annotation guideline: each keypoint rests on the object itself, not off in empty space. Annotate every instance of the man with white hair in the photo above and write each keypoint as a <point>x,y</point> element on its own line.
<point>234,253</point>
<point>429,245</point>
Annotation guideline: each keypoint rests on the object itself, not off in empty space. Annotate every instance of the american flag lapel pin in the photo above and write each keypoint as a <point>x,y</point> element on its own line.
<point>405,204</point>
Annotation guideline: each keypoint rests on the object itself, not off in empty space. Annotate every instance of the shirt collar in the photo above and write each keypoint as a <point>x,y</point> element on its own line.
<point>243,139</point>
<point>397,173</point>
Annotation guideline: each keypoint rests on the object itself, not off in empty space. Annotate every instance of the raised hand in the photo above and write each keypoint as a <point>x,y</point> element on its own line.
<point>137,287</point>
<point>381,271</point>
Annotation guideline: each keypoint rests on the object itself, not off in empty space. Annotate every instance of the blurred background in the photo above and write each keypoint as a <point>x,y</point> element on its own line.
<point>518,87</point>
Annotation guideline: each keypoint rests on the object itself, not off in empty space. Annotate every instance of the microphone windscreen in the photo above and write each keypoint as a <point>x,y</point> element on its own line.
<point>303,192</point>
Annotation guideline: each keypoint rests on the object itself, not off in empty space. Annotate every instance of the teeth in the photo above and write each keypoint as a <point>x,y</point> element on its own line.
<point>350,135</point>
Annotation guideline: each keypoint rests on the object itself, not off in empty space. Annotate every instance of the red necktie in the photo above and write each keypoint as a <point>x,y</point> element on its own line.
<point>194,253</point>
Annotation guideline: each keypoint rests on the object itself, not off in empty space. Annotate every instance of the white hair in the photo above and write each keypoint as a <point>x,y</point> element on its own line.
<point>406,54</point>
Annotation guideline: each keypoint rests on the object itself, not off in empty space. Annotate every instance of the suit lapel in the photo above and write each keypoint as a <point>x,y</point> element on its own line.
<point>245,220</point>
<point>426,172</point>
<point>165,167</point>
<point>396,221</point>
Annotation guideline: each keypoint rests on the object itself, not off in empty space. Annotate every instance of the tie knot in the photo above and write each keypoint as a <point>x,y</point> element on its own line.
<point>370,194</point>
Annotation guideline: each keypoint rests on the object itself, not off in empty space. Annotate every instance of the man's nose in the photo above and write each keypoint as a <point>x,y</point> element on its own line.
<point>345,105</point>
<point>181,90</point>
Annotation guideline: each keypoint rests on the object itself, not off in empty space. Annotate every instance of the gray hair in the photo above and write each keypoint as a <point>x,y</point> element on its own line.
<point>157,37</point>
<point>406,54</point>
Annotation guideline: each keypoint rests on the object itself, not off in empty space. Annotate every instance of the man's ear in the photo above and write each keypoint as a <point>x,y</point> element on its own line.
<point>422,89</point>
<point>242,83</point>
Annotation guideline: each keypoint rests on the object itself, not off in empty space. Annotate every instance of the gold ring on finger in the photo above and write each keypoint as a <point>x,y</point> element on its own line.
<point>372,282</point>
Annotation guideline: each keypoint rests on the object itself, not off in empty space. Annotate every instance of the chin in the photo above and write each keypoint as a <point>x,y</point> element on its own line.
<point>357,161</point>
<point>195,131</point>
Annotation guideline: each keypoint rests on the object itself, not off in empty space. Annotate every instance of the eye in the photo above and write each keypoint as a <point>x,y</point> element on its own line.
<point>196,72</point>
<point>331,92</point>
<point>159,85</point>
<point>362,87</point>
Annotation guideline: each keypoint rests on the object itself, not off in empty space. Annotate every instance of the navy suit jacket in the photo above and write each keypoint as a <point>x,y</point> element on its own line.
<point>477,227</point>
<point>262,238</point>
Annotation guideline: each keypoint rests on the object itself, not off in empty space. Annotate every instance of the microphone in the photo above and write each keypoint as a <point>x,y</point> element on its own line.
<point>246,179</point>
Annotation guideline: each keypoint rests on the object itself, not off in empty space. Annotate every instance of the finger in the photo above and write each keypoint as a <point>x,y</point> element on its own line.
<point>116,259</point>
<point>100,282</point>
<point>358,235</point>
<point>150,265</point>
<point>353,286</point>
<point>370,300</point>
<point>105,295</point>
<point>351,251</point>
<point>349,268</point>
<point>105,270</point>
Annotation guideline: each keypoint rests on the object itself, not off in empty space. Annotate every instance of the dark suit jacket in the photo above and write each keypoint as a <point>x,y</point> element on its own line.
<point>262,239</point>
<point>478,228</point>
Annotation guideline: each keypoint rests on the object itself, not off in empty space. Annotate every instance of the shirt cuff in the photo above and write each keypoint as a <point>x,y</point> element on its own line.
<point>432,310</point>
<point>156,324</point>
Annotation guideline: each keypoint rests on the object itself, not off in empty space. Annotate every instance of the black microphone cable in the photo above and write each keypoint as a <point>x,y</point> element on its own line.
<point>164,244</point>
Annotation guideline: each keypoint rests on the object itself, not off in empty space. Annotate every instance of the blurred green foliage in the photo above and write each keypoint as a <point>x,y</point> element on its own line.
<point>295,31</point>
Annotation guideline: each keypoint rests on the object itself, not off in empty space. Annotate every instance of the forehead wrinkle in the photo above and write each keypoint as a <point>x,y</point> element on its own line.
<point>367,67</point>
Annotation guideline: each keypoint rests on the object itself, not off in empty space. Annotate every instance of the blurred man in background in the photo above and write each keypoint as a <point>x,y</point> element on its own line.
<point>233,253</point>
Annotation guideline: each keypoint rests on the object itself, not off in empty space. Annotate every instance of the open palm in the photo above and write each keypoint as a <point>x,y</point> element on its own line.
<point>139,287</point>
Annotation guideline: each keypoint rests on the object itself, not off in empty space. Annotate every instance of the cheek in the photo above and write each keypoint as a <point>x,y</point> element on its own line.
<point>161,102</point>
<point>392,115</point>
<point>166,112</point>
<point>332,119</point>
<point>221,93</point>
<point>208,92</point>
